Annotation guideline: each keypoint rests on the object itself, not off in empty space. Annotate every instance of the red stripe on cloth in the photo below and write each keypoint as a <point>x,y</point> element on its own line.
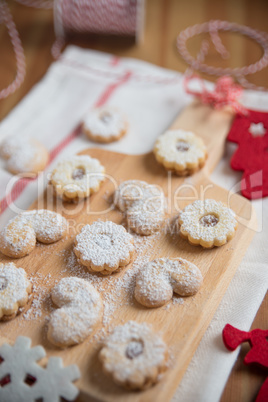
<point>64,143</point>
<point>111,88</point>
<point>16,191</point>
<point>22,183</point>
<point>115,61</point>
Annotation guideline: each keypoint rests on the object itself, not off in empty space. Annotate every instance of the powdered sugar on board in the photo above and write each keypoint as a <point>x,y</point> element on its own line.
<point>115,291</point>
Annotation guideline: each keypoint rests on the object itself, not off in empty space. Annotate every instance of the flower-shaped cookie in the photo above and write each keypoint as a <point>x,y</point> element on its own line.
<point>180,151</point>
<point>77,177</point>
<point>80,311</point>
<point>208,223</point>
<point>14,290</point>
<point>143,204</point>
<point>157,280</point>
<point>19,237</point>
<point>105,124</point>
<point>134,356</point>
<point>104,247</point>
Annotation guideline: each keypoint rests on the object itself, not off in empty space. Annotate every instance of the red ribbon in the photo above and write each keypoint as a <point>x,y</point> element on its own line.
<point>225,93</point>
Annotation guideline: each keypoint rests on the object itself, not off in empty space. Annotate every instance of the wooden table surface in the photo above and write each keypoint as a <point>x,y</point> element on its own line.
<point>164,20</point>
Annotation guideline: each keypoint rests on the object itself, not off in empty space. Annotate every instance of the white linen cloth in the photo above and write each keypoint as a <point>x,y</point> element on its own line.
<point>55,107</point>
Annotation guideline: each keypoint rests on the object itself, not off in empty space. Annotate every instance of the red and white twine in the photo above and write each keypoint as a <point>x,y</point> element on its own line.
<point>6,19</point>
<point>98,16</point>
<point>213,27</point>
<point>125,17</point>
<point>121,17</point>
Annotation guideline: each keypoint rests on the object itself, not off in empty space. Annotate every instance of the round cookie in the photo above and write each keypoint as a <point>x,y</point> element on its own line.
<point>105,124</point>
<point>134,356</point>
<point>80,310</point>
<point>14,290</point>
<point>77,177</point>
<point>208,223</point>
<point>19,236</point>
<point>143,205</point>
<point>157,280</point>
<point>180,151</point>
<point>24,155</point>
<point>104,247</point>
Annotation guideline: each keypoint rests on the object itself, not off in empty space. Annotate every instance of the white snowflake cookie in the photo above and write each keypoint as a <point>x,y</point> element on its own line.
<point>14,290</point>
<point>104,247</point>
<point>143,205</point>
<point>180,151</point>
<point>27,381</point>
<point>24,155</point>
<point>208,223</point>
<point>19,237</point>
<point>105,124</point>
<point>157,280</point>
<point>80,310</point>
<point>77,177</point>
<point>134,356</point>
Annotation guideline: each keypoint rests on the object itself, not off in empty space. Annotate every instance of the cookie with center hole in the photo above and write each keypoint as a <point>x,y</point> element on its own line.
<point>134,356</point>
<point>208,223</point>
<point>105,124</point>
<point>180,151</point>
<point>77,177</point>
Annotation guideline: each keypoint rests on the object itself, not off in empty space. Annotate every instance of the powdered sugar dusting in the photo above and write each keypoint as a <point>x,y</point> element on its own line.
<point>168,148</point>
<point>41,303</point>
<point>19,236</point>
<point>14,288</point>
<point>143,204</point>
<point>64,183</point>
<point>104,246</point>
<point>116,291</point>
<point>158,279</point>
<point>147,359</point>
<point>105,122</point>
<point>80,310</point>
<point>192,217</point>
<point>23,153</point>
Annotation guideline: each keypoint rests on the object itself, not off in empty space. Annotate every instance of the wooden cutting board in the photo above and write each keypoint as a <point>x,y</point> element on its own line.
<point>182,325</point>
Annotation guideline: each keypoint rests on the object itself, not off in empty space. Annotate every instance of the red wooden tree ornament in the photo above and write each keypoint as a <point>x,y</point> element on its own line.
<point>250,132</point>
<point>258,339</point>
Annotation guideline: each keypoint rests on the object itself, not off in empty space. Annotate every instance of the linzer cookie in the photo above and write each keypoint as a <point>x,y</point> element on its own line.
<point>157,280</point>
<point>19,237</point>
<point>104,247</point>
<point>24,155</point>
<point>105,125</point>
<point>143,205</point>
<point>77,177</point>
<point>208,223</point>
<point>14,290</point>
<point>80,310</point>
<point>180,151</point>
<point>134,356</point>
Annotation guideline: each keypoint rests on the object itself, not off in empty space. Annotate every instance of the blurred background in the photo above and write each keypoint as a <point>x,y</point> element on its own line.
<point>164,19</point>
